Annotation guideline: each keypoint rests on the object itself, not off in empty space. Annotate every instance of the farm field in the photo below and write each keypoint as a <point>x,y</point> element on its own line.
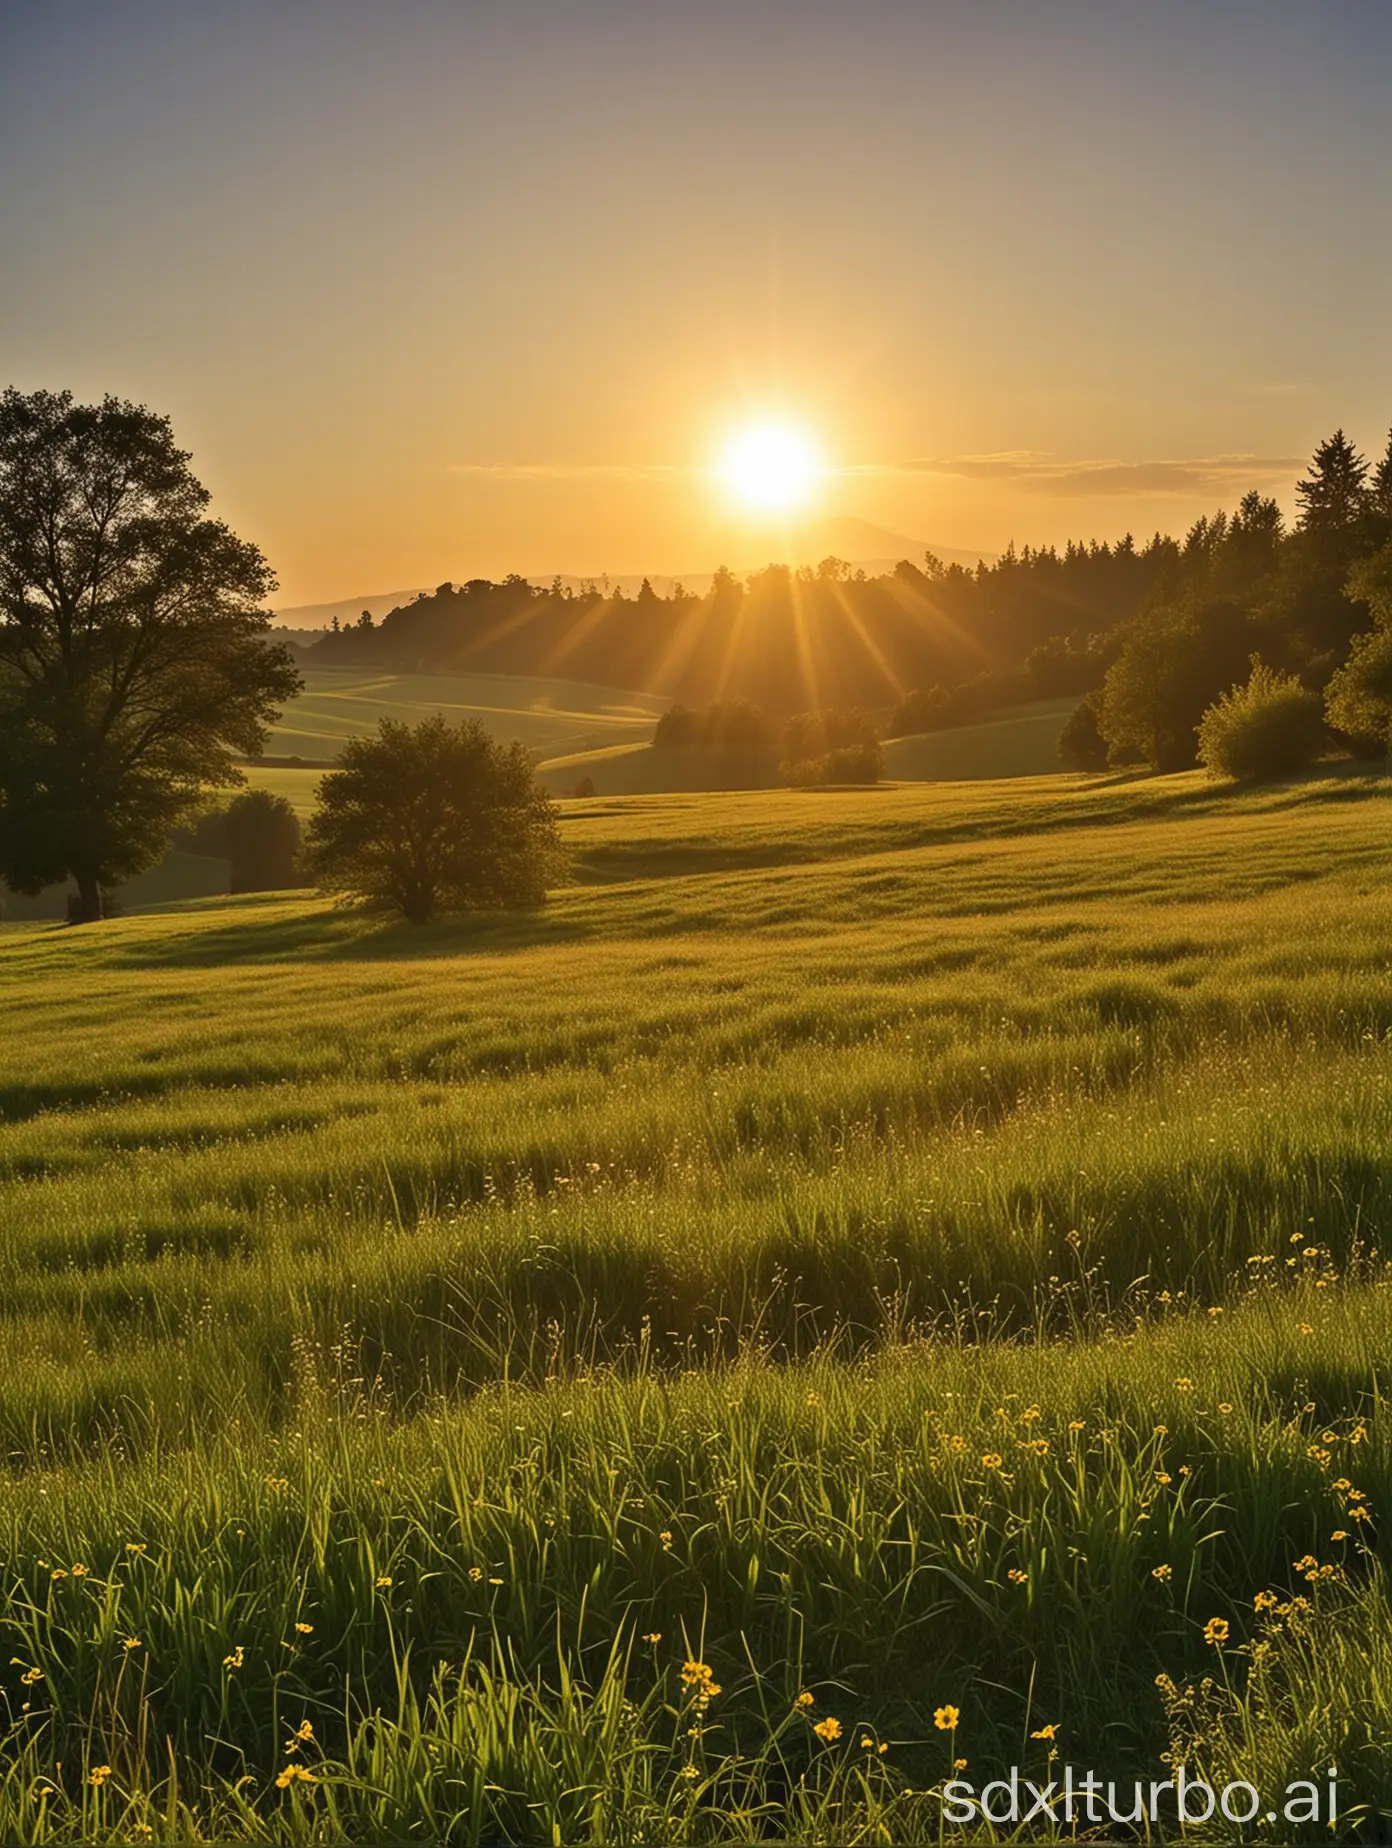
<point>908,1262</point>
<point>547,715</point>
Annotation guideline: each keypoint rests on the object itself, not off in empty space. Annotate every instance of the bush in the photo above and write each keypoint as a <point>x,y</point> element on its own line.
<point>259,834</point>
<point>848,763</point>
<point>1081,744</point>
<point>1172,665</point>
<point>434,818</point>
<point>1269,727</point>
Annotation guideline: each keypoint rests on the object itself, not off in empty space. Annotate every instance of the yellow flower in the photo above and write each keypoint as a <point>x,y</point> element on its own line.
<point>666,1538</point>
<point>1225,1409</point>
<point>1264,1601</point>
<point>495,1581</point>
<point>1163,1573</point>
<point>1185,1384</point>
<point>384,1582</point>
<point>79,1570</point>
<point>805,1700</point>
<point>476,1573</point>
<point>135,1546</point>
<point>1215,1631</point>
<point>98,1775</point>
<point>1076,1424</point>
<point>959,1764</point>
<point>131,1642</point>
<point>1304,1328</point>
<point>1339,1533</point>
<point>1359,1513</point>
<point>1017,1577</point>
<point>304,1629</point>
<point>946,1718</point>
<point>1163,1478</point>
<point>1304,1565</point>
<point>867,1744</point>
<point>58,1573</point>
<point>302,1735</point>
<point>653,1636</point>
<point>1046,1732</point>
<point>990,1460</point>
<point>828,1729</point>
<point>295,1774</point>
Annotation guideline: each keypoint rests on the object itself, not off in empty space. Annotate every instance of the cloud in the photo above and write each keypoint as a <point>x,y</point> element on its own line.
<point>1038,472</point>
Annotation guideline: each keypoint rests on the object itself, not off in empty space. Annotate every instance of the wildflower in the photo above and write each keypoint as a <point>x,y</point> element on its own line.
<point>1161,1431</point>
<point>58,1573</point>
<point>1264,1601</point>
<point>1163,1478</point>
<point>867,1744</point>
<point>1017,1577</point>
<point>990,1460</point>
<point>1077,1424</point>
<point>1215,1311</point>
<point>1359,1513</point>
<point>30,1676</point>
<point>384,1582</point>
<point>653,1636</point>
<point>946,1718</point>
<point>495,1581</point>
<point>304,1629</point>
<point>302,1735</point>
<point>1304,1565</point>
<point>135,1546</point>
<point>236,1659</point>
<point>698,1677</point>
<point>1225,1409</point>
<point>805,1700</point>
<point>689,1771</point>
<point>295,1774</point>
<point>1317,1455</point>
<point>828,1729</point>
<point>1046,1732</point>
<point>1163,1573</point>
<point>131,1642</point>
<point>666,1538</point>
<point>1215,1631</point>
<point>1340,1533</point>
<point>1356,1494</point>
<point>79,1570</point>
<point>1185,1384</point>
<point>1343,1484</point>
<point>1304,1328</point>
<point>475,1573</point>
<point>98,1775</point>
<point>959,1764</point>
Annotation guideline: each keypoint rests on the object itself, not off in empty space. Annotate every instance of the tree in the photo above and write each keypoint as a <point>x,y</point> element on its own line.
<point>1081,745</point>
<point>434,818</point>
<point>260,835</point>
<point>1173,664</point>
<point>133,661</point>
<point>1335,492</point>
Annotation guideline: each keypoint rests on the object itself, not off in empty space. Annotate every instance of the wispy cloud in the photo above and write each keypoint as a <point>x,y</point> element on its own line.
<point>1038,472</point>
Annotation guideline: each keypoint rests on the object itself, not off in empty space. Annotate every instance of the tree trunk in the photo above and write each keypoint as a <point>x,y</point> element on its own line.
<point>89,898</point>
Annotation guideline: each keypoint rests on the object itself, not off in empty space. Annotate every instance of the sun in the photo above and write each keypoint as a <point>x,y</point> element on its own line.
<point>770,468</point>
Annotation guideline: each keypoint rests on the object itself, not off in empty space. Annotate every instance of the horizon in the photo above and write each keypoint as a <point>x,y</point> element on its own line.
<point>435,295</point>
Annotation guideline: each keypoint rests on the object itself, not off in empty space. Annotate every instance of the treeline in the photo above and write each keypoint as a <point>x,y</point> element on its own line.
<point>736,745</point>
<point>785,640</point>
<point>1309,605</point>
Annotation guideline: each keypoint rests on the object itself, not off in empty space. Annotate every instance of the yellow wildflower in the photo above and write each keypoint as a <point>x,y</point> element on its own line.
<point>1215,1631</point>
<point>1163,1573</point>
<point>98,1775</point>
<point>235,1660</point>
<point>295,1774</point>
<point>805,1700</point>
<point>946,1718</point>
<point>828,1729</point>
<point>1046,1732</point>
<point>304,1629</point>
<point>990,1460</point>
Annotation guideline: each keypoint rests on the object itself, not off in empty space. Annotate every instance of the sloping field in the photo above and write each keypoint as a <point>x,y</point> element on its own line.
<point>850,1258</point>
<point>1022,741</point>
<point>549,716</point>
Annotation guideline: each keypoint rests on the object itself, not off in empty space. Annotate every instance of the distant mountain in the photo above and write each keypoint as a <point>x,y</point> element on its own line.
<point>347,609</point>
<point>863,545</point>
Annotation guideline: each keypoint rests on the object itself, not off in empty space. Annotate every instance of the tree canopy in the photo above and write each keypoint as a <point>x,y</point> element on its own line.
<point>134,667</point>
<point>432,818</point>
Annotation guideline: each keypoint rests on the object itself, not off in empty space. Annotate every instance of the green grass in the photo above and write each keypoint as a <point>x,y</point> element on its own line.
<point>1021,741</point>
<point>548,715</point>
<point>674,1260</point>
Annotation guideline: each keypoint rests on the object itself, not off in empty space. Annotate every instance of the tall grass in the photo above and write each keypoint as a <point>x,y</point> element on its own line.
<point>906,1255</point>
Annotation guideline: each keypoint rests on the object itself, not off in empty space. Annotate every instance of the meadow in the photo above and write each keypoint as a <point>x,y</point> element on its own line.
<point>860,1281</point>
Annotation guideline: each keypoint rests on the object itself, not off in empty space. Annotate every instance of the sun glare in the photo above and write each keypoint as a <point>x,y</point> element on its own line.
<point>770,468</point>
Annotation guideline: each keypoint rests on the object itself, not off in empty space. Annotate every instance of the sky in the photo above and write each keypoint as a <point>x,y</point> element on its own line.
<point>443,288</point>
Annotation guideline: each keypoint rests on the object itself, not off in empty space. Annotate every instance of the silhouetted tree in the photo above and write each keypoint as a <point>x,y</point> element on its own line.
<point>434,818</point>
<point>1081,745</point>
<point>1172,666</point>
<point>133,660</point>
<point>1335,492</point>
<point>259,833</point>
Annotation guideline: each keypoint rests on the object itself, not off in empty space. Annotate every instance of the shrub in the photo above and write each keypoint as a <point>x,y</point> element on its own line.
<point>259,834</point>
<point>434,818</point>
<point>848,763</point>
<point>1266,728</point>
<point>1081,744</point>
<point>1358,700</point>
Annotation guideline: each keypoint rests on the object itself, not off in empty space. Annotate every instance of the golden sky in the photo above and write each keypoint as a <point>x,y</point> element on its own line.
<point>439,290</point>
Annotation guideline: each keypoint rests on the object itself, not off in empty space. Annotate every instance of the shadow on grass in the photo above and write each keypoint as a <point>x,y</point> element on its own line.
<point>347,936</point>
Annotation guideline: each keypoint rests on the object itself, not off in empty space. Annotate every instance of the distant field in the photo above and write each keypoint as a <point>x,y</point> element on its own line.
<point>907,1246</point>
<point>1022,741</point>
<point>551,716</point>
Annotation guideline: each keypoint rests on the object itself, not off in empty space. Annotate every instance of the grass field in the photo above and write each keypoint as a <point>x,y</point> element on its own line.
<point>911,1248</point>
